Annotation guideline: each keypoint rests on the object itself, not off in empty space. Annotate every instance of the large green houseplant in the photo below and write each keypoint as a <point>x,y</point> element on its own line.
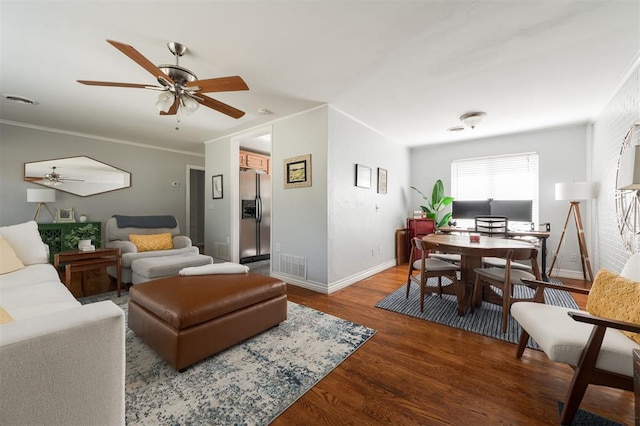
<point>84,232</point>
<point>436,203</point>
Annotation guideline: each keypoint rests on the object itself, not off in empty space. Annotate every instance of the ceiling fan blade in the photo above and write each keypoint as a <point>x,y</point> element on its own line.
<point>113,84</point>
<point>222,84</point>
<point>219,106</point>
<point>139,59</point>
<point>174,108</point>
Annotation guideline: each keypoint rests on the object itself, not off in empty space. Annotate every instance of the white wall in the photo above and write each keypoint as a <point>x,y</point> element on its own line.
<point>608,133</point>
<point>362,223</point>
<point>563,158</point>
<point>152,172</point>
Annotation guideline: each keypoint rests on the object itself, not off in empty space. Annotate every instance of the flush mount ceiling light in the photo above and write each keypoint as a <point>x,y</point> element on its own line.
<point>19,99</point>
<point>472,119</point>
<point>264,111</point>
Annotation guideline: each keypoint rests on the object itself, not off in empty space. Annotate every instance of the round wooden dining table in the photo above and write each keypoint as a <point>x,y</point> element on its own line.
<point>471,254</point>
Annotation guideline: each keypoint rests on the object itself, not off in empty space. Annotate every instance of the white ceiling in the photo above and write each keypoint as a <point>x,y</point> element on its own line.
<point>406,68</point>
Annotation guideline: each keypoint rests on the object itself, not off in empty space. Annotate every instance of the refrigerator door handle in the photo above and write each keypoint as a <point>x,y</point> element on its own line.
<point>258,209</point>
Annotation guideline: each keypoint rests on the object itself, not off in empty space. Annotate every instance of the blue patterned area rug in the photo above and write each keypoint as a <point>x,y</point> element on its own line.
<point>249,384</point>
<point>485,321</point>
<point>585,418</point>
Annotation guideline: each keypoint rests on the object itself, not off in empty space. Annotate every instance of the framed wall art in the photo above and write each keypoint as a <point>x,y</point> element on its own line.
<point>363,176</point>
<point>65,215</point>
<point>382,181</point>
<point>297,171</point>
<point>216,186</point>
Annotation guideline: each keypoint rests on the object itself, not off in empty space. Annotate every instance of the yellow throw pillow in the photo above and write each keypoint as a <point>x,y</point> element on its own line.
<point>152,242</point>
<point>4,316</point>
<point>9,261</point>
<point>615,297</point>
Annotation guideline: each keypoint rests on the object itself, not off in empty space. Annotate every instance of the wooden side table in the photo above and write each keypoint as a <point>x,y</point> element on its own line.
<point>82,261</point>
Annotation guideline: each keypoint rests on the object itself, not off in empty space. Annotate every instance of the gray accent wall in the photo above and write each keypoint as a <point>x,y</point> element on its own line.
<point>152,173</point>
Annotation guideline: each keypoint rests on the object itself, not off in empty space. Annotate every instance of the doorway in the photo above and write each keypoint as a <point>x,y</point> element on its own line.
<point>195,205</point>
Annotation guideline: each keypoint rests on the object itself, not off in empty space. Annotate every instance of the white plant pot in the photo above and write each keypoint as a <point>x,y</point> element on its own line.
<point>84,243</point>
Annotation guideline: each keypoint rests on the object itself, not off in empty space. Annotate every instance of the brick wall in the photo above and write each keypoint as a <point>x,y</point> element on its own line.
<point>608,133</point>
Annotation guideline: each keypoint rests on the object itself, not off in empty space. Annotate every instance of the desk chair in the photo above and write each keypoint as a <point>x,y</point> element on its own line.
<point>429,267</point>
<point>505,279</point>
<point>578,338</point>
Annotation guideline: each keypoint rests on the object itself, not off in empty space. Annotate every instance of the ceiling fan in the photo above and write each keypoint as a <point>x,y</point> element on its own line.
<point>54,178</point>
<point>179,87</point>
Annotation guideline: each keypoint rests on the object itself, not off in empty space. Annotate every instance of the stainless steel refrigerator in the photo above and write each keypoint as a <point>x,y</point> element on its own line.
<point>255,216</point>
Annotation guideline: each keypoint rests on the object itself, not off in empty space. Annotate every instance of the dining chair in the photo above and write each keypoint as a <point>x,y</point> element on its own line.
<point>427,267</point>
<point>497,227</point>
<point>598,344</point>
<point>507,279</point>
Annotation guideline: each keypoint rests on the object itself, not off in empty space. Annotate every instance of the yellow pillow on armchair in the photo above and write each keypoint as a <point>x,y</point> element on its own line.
<point>615,297</point>
<point>152,242</point>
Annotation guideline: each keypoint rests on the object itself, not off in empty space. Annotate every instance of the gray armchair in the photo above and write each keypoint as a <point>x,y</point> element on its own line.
<point>119,228</point>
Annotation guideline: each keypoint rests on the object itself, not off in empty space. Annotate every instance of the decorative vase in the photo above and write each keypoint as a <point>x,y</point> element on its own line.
<point>83,218</point>
<point>84,243</point>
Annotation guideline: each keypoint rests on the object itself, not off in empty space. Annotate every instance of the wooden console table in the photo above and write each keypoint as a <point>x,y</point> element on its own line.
<point>82,261</point>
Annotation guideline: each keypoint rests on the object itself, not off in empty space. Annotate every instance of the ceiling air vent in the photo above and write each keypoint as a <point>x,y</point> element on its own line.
<point>20,99</point>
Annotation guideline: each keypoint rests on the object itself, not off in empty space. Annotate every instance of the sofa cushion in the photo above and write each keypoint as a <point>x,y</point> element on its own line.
<point>615,297</point>
<point>9,262</point>
<point>26,242</point>
<point>152,242</point>
<point>36,299</point>
<point>32,274</point>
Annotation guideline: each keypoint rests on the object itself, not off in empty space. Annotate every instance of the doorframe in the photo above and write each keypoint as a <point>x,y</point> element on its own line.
<point>190,167</point>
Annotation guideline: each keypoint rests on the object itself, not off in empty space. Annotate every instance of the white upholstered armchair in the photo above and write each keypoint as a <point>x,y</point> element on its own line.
<point>597,343</point>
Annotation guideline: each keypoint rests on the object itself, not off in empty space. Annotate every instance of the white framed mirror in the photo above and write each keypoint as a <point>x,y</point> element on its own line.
<point>80,175</point>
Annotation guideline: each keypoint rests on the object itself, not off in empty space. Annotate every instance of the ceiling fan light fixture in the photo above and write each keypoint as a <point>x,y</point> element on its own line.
<point>190,105</point>
<point>165,100</point>
<point>472,119</point>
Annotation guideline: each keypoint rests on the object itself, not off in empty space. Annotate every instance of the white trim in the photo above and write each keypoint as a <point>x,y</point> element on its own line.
<point>338,285</point>
<point>100,138</point>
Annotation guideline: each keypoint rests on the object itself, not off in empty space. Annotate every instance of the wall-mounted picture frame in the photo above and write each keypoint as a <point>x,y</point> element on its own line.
<point>382,181</point>
<point>65,214</point>
<point>216,187</point>
<point>363,176</point>
<point>297,171</point>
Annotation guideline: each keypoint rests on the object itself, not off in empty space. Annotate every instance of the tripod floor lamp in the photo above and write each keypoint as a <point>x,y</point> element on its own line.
<point>573,192</point>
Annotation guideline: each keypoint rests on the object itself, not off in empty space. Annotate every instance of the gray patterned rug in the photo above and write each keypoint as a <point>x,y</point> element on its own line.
<point>248,384</point>
<point>485,321</point>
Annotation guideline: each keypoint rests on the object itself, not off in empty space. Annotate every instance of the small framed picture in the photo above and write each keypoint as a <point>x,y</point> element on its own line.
<point>382,181</point>
<point>216,185</point>
<point>65,215</point>
<point>297,171</point>
<point>363,176</point>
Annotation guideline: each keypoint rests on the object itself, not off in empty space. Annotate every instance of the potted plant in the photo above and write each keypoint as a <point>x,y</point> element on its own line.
<point>436,203</point>
<point>80,235</point>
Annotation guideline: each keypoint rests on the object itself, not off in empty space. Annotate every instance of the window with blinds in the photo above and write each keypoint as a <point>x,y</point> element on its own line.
<point>505,177</point>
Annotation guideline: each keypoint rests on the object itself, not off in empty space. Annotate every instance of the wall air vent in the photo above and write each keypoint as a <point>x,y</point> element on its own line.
<point>19,99</point>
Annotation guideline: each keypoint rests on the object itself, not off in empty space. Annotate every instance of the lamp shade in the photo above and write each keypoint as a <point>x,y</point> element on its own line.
<point>574,191</point>
<point>41,195</point>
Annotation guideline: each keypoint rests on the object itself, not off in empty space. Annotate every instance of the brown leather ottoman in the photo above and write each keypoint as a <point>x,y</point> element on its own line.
<point>188,318</point>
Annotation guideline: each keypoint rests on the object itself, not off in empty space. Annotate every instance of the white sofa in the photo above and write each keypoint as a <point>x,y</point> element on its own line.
<point>118,237</point>
<point>60,362</point>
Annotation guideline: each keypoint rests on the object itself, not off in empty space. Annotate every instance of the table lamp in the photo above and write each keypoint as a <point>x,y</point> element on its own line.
<point>42,197</point>
<point>574,192</point>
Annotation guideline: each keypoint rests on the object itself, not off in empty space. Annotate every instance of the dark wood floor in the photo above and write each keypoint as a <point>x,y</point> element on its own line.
<point>422,373</point>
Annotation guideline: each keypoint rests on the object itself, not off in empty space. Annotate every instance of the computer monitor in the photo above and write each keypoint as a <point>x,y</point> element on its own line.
<point>470,209</point>
<point>515,210</point>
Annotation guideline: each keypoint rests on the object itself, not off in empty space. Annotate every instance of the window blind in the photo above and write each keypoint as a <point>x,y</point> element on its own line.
<point>505,177</point>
